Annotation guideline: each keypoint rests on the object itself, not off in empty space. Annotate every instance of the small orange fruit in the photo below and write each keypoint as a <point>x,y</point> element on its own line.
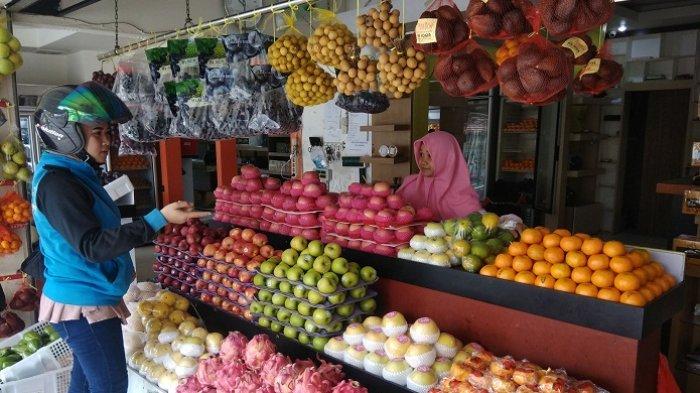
<point>536,252</point>
<point>503,260</point>
<point>610,294</point>
<point>581,274</point>
<point>525,277</point>
<point>551,240</point>
<point>587,289</point>
<point>531,236</point>
<point>541,267</point>
<point>614,248</point>
<point>641,274</point>
<point>582,235</point>
<point>506,273</point>
<point>554,255</point>
<point>655,288</point>
<point>592,246</point>
<point>522,263</point>
<point>598,262</point>
<point>543,230</point>
<point>562,232</point>
<point>545,281</point>
<point>570,243</point>
<point>626,282</point>
<point>660,271</point>
<point>670,280</point>
<point>560,270</point>
<point>662,283</point>
<point>489,270</point>
<point>576,258</point>
<point>565,285</point>
<point>603,278</point>
<point>651,272</point>
<point>647,293</point>
<point>620,264</point>
<point>517,248</point>
<point>646,257</point>
<point>633,298</point>
<point>636,257</point>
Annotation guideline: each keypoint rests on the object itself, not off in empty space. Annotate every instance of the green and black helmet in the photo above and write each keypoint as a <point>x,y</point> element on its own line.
<point>61,110</point>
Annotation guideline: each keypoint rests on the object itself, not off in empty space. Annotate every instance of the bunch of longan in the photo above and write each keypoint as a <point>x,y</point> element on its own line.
<point>332,44</point>
<point>288,53</point>
<point>401,72</point>
<point>309,85</point>
<point>379,27</point>
<point>361,76</point>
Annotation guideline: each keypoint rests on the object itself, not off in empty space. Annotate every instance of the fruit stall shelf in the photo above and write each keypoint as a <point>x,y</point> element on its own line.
<point>218,321</point>
<point>616,318</point>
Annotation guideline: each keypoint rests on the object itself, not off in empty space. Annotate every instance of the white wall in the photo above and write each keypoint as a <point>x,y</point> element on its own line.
<point>55,70</point>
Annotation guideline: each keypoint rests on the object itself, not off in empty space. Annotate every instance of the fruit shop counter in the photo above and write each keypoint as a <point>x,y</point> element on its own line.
<point>614,344</point>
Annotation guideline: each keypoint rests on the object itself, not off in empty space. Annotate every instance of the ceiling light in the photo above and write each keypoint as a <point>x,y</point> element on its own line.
<point>623,27</point>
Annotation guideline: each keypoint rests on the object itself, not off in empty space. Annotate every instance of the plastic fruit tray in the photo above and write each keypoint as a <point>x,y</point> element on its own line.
<point>340,288</point>
<point>325,305</point>
<point>324,334</point>
<point>356,315</point>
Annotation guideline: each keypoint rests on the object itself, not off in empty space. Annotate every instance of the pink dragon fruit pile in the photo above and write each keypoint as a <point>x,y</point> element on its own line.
<point>255,367</point>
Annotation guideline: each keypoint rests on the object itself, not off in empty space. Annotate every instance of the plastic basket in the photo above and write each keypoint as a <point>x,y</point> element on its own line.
<point>53,356</point>
<point>56,381</point>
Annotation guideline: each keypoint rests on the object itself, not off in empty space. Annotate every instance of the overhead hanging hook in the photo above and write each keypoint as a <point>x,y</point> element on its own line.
<point>116,24</point>
<point>188,17</point>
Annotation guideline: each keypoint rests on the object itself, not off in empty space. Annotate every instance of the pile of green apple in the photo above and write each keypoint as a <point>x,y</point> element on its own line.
<point>10,59</point>
<point>468,242</point>
<point>311,292</point>
<point>14,161</point>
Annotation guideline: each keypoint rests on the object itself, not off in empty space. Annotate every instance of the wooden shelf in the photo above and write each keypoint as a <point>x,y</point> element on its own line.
<point>675,186</point>
<point>585,173</point>
<point>583,137</point>
<point>387,128</point>
<point>517,170</point>
<point>383,160</point>
<point>276,154</point>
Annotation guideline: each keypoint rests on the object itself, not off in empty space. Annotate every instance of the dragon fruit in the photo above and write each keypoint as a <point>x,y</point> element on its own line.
<point>249,382</point>
<point>227,377</point>
<point>206,371</point>
<point>287,376</point>
<point>272,367</point>
<point>331,372</point>
<point>190,385</point>
<point>265,389</point>
<point>258,350</point>
<point>311,381</point>
<point>233,347</point>
<point>349,386</point>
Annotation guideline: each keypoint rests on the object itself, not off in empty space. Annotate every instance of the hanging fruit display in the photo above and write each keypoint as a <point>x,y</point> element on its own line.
<point>564,18</point>
<point>379,27</point>
<point>332,44</point>
<point>401,72</point>
<point>9,241</point>
<point>466,72</point>
<point>14,163</point>
<point>361,76</point>
<point>288,53</point>
<point>10,58</point>
<point>15,210</point>
<point>581,49</point>
<point>599,75</point>
<point>106,80</point>
<point>441,29</point>
<point>538,75</point>
<point>309,85</point>
<point>509,49</point>
<point>499,19</point>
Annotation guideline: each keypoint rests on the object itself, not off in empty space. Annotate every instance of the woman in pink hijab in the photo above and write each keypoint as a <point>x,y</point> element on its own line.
<point>443,183</point>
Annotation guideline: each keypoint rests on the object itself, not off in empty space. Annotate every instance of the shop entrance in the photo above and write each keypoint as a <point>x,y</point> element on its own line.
<point>655,148</point>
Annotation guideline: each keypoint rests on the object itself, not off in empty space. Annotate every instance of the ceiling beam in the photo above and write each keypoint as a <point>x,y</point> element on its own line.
<point>19,5</point>
<point>43,7</point>
<point>75,7</point>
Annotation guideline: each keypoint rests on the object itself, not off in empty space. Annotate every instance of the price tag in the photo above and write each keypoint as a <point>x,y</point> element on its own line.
<point>217,63</point>
<point>592,67</point>
<point>425,31</point>
<point>484,1</point>
<point>576,45</point>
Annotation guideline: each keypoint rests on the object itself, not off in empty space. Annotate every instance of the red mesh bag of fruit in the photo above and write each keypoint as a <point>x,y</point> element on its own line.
<point>441,29</point>
<point>600,74</point>
<point>16,211</point>
<point>564,18</point>
<point>539,74</point>
<point>581,48</point>
<point>466,72</point>
<point>25,299</point>
<point>499,19</point>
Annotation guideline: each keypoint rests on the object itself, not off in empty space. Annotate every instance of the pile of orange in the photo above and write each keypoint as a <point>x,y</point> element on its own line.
<point>9,241</point>
<point>583,265</point>
<point>509,49</point>
<point>16,212</point>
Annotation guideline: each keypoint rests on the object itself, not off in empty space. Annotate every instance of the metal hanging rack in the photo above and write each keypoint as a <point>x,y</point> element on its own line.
<point>204,26</point>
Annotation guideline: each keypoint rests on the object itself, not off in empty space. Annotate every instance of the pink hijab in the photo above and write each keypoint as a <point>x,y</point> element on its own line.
<point>449,192</point>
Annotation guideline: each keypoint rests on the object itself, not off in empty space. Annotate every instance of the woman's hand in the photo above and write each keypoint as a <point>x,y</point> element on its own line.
<point>181,211</point>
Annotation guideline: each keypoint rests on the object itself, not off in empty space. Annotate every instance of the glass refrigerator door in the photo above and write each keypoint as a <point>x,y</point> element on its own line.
<point>32,147</point>
<point>476,147</point>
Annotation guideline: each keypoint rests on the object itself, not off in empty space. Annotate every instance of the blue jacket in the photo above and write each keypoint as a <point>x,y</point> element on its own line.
<point>70,277</point>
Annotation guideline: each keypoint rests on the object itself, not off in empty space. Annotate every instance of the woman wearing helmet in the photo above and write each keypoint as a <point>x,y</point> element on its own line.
<point>85,246</point>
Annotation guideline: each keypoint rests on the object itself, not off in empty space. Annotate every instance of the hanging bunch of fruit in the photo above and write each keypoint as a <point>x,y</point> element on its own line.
<point>16,211</point>
<point>14,162</point>
<point>10,58</point>
<point>106,80</point>
<point>401,71</point>
<point>380,26</point>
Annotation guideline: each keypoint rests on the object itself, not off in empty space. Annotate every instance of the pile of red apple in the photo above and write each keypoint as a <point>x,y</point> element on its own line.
<point>188,238</point>
<point>176,273</point>
<point>373,219</point>
<point>227,269</point>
